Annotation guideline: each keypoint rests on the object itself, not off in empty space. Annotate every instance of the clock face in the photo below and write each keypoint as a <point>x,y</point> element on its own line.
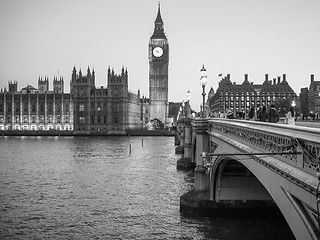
<point>157,52</point>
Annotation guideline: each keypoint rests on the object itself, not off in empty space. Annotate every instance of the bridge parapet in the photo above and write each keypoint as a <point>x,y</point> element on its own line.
<point>275,138</point>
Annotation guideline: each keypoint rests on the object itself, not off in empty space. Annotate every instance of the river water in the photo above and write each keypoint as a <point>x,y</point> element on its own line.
<point>94,188</point>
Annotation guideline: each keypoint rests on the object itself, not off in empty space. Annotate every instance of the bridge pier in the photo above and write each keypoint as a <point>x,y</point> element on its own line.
<point>180,137</point>
<point>185,163</point>
<point>197,201</point>
<point>231,200</point>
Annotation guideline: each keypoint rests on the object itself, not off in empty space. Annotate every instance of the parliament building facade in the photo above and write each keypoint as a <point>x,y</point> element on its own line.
<point>86,109</point>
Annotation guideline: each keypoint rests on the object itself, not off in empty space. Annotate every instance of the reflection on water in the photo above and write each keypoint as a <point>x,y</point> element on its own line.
<point>92,187</point>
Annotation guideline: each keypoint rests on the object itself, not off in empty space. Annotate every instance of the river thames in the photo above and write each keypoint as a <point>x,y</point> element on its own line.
<point>93,188</point>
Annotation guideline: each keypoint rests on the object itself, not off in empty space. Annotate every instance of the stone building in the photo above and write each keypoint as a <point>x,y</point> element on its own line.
<point>33,109</point>
<point>85,110</point>
<point>310,98</point>
<point>89,110</point>
<point>241,97</point>
<point>158,72</point>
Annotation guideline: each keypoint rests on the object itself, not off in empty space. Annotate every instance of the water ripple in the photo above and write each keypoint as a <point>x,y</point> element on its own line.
<point>93,188</point>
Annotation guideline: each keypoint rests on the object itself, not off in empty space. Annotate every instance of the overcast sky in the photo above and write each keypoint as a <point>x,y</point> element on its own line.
<point>254,37</point>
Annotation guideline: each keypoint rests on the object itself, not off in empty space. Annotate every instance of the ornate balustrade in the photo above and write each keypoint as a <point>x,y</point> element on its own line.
<point>275,138</point>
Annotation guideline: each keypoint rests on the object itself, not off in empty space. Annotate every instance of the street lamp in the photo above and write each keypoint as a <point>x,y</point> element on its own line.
<point>183,111</point>
<point>203,82</point>
<point>293,104</point>
<point>188,108</point>
<point>188,95</point>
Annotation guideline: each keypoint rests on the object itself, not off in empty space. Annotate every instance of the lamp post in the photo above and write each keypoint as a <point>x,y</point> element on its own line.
<point>183,110</point>
<point>203,82</point>
<point>188,108</point>
<point>293,104</point>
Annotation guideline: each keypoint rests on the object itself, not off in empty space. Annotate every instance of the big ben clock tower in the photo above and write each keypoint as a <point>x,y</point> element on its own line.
<point>158,72</point>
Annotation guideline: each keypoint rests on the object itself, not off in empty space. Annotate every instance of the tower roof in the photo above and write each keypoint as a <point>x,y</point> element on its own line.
<point>158,19</point>
<point>158,32</point>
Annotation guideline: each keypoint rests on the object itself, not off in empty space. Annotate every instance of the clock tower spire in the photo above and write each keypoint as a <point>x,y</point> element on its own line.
<point>158,72</point>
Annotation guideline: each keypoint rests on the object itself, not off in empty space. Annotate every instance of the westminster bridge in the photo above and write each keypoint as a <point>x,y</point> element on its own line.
<point>252,167</point>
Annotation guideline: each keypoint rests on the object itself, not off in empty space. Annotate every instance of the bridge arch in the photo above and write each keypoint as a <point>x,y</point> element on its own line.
<point>232,183</point>
<point>263,186</point>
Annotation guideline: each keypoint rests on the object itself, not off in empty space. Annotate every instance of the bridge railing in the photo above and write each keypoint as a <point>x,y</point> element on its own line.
<point>273,137</point>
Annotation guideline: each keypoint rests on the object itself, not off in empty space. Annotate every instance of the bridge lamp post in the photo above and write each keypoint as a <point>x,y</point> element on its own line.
<point>183,110</point>
<point>293,104</point>
<point>188,108</point>
<point>188,96</point>
<point>203,82</point>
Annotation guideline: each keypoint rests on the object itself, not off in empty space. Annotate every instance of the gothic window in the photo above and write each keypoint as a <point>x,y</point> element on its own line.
<point>81,119</point>
<point>25,118</point>
<point>66,119</point>
<point>115,119</point>
<point>25,107</point>
<point>58,118</point>
<point>81,107</point>
<point>17,119</point>
<point>50,107</point>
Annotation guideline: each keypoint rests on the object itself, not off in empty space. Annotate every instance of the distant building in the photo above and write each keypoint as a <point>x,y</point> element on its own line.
<point>158,72</point>
<point>241,97</point>
<point>33,109</point>
<point>314,96</point>
<point>87,109</point>
<point>304,101</point>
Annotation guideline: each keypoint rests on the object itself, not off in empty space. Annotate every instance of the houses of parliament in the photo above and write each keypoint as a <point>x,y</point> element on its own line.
<point>86,109</point>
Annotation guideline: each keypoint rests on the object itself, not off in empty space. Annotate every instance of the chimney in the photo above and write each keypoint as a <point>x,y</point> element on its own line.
<point>246,77</point>
<point>312,78</point>
<point>228,77</point>
<point>279,79</point>
<point>274,81</point>
<point>284,77</point>
<point>266,78</point>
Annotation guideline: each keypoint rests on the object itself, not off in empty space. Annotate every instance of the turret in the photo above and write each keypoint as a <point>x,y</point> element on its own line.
<point>13,86</point>
<point>58,85</point>
<point>43,85</point>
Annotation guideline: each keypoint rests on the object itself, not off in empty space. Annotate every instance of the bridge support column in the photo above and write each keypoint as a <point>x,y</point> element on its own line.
<point>180,130</point>
<point>198,199</point>
<point>185,163</point>
<point>202,145</point>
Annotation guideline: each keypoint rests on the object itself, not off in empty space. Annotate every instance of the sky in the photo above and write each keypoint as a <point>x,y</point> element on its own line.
<point>254,37</point>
